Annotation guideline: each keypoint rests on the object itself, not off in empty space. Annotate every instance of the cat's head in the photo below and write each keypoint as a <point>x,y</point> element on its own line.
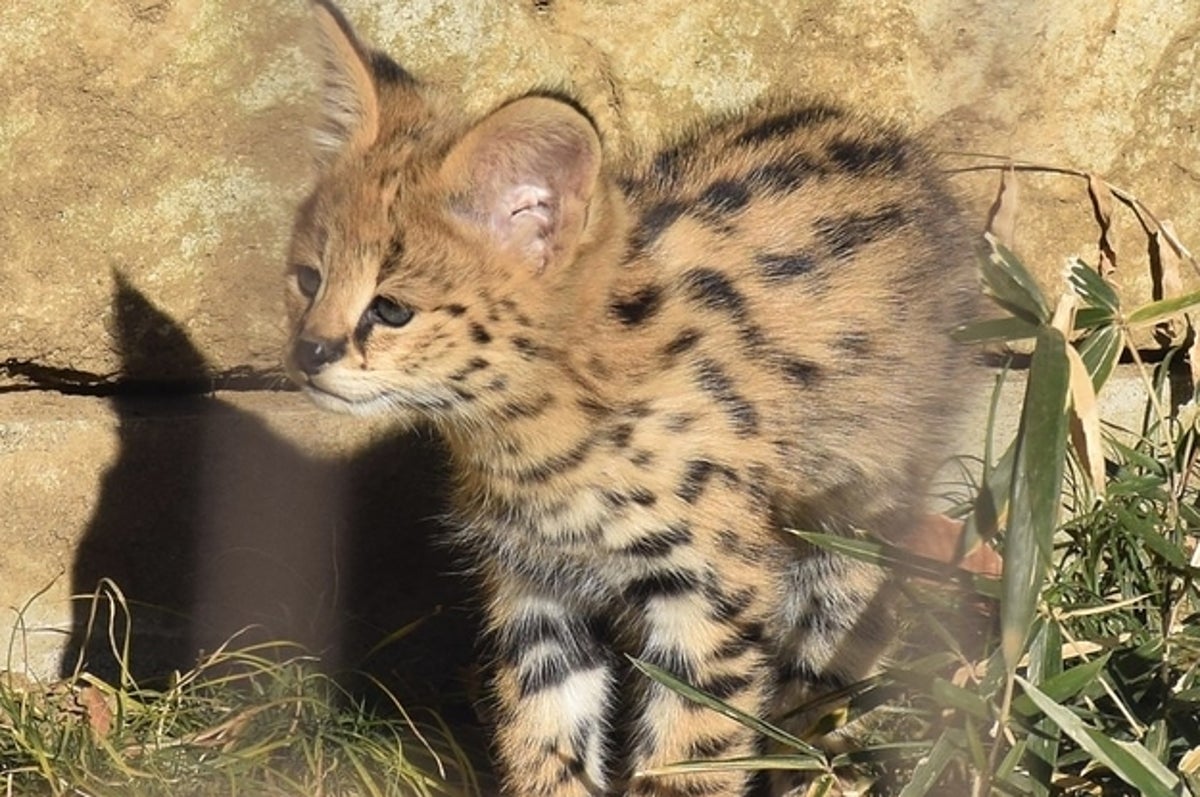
<point>426,241</point>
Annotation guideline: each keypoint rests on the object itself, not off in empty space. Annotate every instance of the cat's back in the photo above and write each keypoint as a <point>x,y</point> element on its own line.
<point>815,261</point>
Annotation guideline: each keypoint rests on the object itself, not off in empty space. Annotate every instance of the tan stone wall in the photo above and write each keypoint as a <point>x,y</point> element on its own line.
<point>164,140</point>
<point>152,151</point>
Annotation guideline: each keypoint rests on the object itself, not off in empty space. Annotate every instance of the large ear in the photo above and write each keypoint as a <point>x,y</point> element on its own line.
<point>350,97</point>
<point>526,174</point>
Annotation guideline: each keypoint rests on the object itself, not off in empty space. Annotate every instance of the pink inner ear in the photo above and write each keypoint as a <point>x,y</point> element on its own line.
<point>523,217</point>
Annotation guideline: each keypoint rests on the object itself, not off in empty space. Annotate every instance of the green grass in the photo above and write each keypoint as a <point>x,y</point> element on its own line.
<point>256,720</point>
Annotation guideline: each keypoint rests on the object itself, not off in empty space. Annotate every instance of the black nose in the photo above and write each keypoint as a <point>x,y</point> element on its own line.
<point>310,356</point>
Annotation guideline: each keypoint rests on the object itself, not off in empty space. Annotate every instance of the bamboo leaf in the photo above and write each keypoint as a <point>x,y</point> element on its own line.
<point>1154,312</point>
<point>1100,352</point>
<point>1085,422</point>
<point>1130,761</point>
<point>995,329</point>
<point>695,695</point>
<point>1036,485</point>
<point>1093,289</point>
<point>925,775</point>
<point>750,763</point>
<point>1011,285</point>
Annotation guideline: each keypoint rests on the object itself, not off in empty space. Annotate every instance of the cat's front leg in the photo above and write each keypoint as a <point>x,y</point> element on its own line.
<point>710,632</point>
<point>554,694</point>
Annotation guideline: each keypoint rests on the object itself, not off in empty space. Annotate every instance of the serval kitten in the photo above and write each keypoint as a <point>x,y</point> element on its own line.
<point>642,373</point>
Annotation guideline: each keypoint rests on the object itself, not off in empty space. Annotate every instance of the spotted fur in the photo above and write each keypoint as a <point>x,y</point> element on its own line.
<point>643,370</point>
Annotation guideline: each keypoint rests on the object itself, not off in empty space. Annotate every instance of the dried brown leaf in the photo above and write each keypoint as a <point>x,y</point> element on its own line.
<point>1085,422</point>
<point>96,711</point>
<point>1102,205</point>
<point>939,538</point>
<point>1165,265</point>
<point>1002,216</point>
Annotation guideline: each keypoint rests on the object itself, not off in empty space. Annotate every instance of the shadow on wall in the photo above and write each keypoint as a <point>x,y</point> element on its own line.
<point>209,523</point>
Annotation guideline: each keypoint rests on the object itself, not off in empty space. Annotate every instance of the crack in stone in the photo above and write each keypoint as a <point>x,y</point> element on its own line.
<point>31,377</point>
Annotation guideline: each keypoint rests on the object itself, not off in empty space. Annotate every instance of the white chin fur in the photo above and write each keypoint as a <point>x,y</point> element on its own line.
<point>329,401</point>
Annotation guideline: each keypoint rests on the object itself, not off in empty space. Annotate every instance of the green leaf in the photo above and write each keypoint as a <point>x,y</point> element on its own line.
<point>1093,289</point>
<point>1100,352</point>
<point>993,329</point>
<point>945,693</point>
<point>1011,285</point>
<point>1045,662</point>
<point>1161,310</point>
<point>926,773</point>
<point>1065,685</point>
<point>696,696</point>
<point>1150,534</point>
<point>1130,761</point>
<point>1036,491</point>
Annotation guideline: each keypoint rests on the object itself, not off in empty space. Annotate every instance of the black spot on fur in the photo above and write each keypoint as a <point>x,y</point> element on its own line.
<point>619,435</point>
<point>784,124</point>
<point>395,251</point>
<point>659,544</point>
<point>598,368</point>
<point>887,154</point>
<point>695,478</point>
<point>845,234</point>
<point>643,497</point>
<point>678,422</point>
<point>668,166</point>
<point>653,223</point>
<point>724,197</point>
<point>712,379</point>
<point>474,365</point>
<point>726,685</point>
<point>638,409</point>
<point>708,747</point>
<point>800,372</point>
<point>479,334</point>
<point>685,340</point>
<point>728,607</point>
<point>527,348</point>
<point>748,637</point>
<point>784,176</point>
<point>713,290</point>
<point>670,583</point>
<point>559,463</point>
<point>803,672</point>
<point>642,458</point>
<point>675,661</point>
<point>777,268</point>
<point>572,649</point>
<point>455,309</point>
<point>856,343</point>
<point>638,308</point>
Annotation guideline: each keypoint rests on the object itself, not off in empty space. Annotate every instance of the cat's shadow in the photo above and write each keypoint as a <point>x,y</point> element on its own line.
<point>209,523</point>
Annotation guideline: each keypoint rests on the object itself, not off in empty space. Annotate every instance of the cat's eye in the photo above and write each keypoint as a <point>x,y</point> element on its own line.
<point>385,311</point>
<point>308,280</point>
